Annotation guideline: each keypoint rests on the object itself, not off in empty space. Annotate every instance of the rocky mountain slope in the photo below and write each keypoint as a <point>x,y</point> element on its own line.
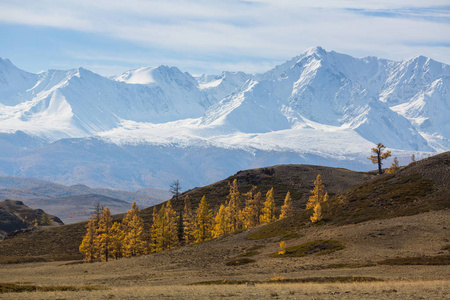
<point>320,107</point>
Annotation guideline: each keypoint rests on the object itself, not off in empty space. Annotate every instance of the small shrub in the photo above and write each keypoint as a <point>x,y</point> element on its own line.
<point>277,277</point>
<point>316,247</point>
<point>240,261</point>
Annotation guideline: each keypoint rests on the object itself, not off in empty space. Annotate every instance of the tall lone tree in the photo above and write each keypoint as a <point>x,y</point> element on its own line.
<point>175,189</point>
<point>378,156</point>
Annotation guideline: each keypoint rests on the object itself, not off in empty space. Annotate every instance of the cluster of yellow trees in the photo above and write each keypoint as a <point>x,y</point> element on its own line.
<point>105,239</point>
<point>202,224</point>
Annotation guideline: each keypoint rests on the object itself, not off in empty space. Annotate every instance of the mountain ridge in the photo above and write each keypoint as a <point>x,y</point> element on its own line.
<point>325,105</point>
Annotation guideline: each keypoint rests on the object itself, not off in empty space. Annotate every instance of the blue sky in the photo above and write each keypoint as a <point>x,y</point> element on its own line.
<point>208,36</point>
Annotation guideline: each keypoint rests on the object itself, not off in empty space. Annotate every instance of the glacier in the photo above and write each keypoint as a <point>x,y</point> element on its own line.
<point>153,125</point>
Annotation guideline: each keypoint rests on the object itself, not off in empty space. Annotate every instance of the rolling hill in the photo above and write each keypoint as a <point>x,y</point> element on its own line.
<point>358,198</point>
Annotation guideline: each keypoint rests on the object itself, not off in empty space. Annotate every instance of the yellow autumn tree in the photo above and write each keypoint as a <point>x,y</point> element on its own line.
<point>317,215</point>
<point>317,197</point>
<point>287,210</point>
<point>268,210</point>
<point>172,226</point>
<point>133,227</point>
<point>188,222</point>
<point>234,205</point>
<point>117,241</point>
<point>378,156</point>
<point>282,248</point>
<point>161,230</point>
<point>153,230</point>
<point>103,239</point>
<point>88,246</point>
<point>221,222</point>
<point>394,166</point>
<point>252,209</point>
<point>203,220</point>
<point>317,194</point>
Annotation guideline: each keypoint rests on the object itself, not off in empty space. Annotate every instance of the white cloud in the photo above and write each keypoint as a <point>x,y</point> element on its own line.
<point>265,29</point>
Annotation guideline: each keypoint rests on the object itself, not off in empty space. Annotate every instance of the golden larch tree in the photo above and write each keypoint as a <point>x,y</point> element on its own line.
<point>203,222</point>
<point>268,210</point>
<point>172,226</point>
<point>117,241</point>
<point>234,205</point>
<point>188,222</point>
<point>378,156</point>
<point>133,227</point>
<point>287,210</point>
<point>317,194</point>
<point>153,230</point>
<point>88,246</point>
<point>103,240</point>
<point>317,197</point>
<point>252,209</point>
<point>221,222</point>
<point>394,166</point>
<point>161,230</point>
<point>317,215</point>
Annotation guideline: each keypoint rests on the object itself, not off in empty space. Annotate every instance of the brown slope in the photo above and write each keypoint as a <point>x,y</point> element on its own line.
<point>298,179</point>
<point>420,187</point>
<point>62,243</point>
<point>15,215</point>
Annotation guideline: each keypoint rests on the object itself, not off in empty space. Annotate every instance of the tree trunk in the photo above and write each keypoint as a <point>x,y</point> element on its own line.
<point>379,162</point>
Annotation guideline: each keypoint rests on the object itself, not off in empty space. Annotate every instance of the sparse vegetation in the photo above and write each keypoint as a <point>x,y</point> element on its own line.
<point>20,288</point>
<point>421,260</point>
<point>240,261</point>
<point>316,247</point>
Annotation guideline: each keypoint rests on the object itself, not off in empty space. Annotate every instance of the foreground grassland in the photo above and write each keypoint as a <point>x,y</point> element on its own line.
<point>401,258</point>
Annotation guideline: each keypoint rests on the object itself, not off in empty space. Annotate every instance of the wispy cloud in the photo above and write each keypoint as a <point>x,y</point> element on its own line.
<point>228,33</point>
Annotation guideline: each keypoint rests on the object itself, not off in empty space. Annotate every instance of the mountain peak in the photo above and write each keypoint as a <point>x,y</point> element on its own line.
<point>314,50</point>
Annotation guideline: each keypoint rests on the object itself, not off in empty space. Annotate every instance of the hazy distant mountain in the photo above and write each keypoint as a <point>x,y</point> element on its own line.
<point>75,203</point>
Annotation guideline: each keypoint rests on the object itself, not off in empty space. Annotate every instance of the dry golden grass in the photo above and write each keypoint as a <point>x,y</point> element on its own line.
<point>437,289</point>
<point>170,274</point>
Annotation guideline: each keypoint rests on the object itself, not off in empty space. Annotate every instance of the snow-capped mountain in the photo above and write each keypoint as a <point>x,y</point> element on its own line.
<point>319,107</point>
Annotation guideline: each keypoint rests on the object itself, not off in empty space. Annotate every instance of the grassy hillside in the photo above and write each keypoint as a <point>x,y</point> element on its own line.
<point>298,179</point>
<point>356,197</point>
<point>420,187</point>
